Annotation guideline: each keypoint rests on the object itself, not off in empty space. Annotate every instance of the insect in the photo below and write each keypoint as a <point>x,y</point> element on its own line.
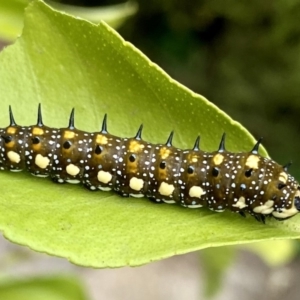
<point>241,182</point>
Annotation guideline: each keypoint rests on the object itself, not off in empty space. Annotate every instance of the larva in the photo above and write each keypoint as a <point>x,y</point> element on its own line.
<point>241,182</point>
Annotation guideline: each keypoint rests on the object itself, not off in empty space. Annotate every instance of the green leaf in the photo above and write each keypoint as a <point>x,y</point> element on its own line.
<point>46,288</point>
<point>65,62</point>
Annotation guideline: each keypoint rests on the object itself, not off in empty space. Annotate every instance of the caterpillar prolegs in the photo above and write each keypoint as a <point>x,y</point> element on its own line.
<point>241,182</point>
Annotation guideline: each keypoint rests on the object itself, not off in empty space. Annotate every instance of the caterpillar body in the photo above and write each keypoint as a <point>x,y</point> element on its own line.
<point>241,182</point>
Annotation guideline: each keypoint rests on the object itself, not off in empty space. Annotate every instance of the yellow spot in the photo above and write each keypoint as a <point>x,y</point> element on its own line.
<point>166,189</point>
<point>72,170</point>
<point>218,159</point>
<point>283,177</point>
<point>252,161</point>
<point>194,159</point>
<point>11,130</point>
<point>135,146</point>
<point>69,134</point>
<point>104,177</point>
<point>42,161</point>
<point>14,157</point>
<point>241,203</point>
<point>101,139</point>
<point>136,183</point>
<point>37,131</point>
<point>196,191</point>
<point>164,152</point>
<point>264,209</point>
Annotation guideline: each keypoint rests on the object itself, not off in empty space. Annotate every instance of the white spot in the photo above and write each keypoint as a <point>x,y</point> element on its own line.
<point>40,175</point>
<point>166,189</point>
<point>136,183</point>
<point>196,191</point>
<point>42,161</point>
<point>241,203</point>
<point>137,195</point>
<point>104,188</point>
<point>169,201</point>
<point>73,181</point>
<point>104,177</point>
<point>194,206</point>
<point>72,170</point>
<point>14,157</point>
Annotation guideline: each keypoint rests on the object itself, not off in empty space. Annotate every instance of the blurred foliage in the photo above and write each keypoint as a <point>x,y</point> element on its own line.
<point>47,288</point>
<point>274,253</point>
<point>215,262</point>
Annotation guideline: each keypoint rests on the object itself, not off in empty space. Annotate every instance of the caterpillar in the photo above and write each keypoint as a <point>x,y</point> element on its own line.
<point>245,182</point>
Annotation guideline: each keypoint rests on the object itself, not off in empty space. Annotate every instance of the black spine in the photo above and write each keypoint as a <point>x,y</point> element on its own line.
<point>170,139</point>
<point>222,143</point>
<point>138,135</point>
<point>39,117</point>
<point>72,120</point>
<point>104,125</point>
<point>196,145</point>
<point>11,118</point>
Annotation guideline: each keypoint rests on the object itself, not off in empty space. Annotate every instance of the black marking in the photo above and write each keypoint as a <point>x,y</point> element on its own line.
<point>196,145</point>
<point>132,158</point>
<point>190,169</point>
<point>39,117</point>
<point>215,171</point>
<point>280,185</point>
<point>222,144</point>
<point>67,145</point>
<point>104,125</point>
<point>35,140</point>
<point>11,118</point>
<point>170,139</point>
<point>98,149</point>
<point>138,135</point>
<point>256,146</point>
<point>7,138</point>
<point>72,120</point>
<point>162,164</point>
<point>248,173</point>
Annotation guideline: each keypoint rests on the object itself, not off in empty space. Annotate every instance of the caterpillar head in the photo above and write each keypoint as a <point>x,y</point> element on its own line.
<point>285,213</point>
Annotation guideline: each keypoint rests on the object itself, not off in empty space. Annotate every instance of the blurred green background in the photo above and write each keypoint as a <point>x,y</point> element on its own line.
<point>244,56</point>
